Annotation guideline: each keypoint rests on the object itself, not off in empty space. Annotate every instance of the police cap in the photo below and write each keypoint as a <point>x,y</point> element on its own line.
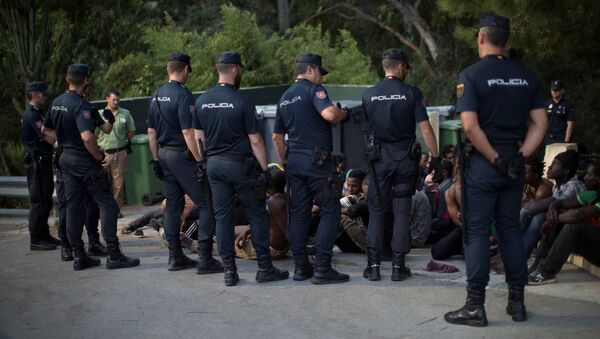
<point>230,57</point>
<point>395,54</point>
<point>182,57</point>
<point>37,86</point>
<point>314,59</point>
<point>494,20</point>
<point>78,69</point>
<point>557,85</point>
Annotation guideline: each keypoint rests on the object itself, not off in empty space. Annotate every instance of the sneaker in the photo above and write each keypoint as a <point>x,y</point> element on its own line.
<point>538,278</point>
<point>138,233</point>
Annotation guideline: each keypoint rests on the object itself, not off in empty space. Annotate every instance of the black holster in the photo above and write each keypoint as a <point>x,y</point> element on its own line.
<point>319,157</point>
<point>332,191</point>
<point>373,149</point>
<point>414,149</point>
<point>202,171</point>
<point>257,186</point>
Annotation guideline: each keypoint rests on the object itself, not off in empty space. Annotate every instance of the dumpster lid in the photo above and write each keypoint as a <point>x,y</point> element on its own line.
<point>139,139</point>
<point>450,124</point>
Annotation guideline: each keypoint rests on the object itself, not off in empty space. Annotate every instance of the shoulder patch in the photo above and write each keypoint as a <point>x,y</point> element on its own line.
<point>321,95</point>
<point>193,108</point>
<point>86,114</point>
<point>460,89</point>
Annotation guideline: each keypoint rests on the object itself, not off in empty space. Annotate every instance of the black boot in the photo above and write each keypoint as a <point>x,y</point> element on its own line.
<point>41,245</point>
<point>267,272</point>
<point>116,258</point>
<point>371,272</point>
<point>66,252</point>
<point>49,238</point>
<point>325,274</point>
<point>516,303</point>
<point>81,261</point>
<point>95,248</point>
<point>473,313</point>
<point>399,270</point>
<point>206,263</point>
<point>179,261</point>
<point>303,269</point>
<point>231,276</point>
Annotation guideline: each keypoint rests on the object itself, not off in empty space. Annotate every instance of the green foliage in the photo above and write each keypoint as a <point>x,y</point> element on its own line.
<point>14,155</point>
<point>268,58</point>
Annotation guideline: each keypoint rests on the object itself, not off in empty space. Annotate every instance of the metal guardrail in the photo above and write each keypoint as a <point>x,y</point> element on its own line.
<point>15,187</point>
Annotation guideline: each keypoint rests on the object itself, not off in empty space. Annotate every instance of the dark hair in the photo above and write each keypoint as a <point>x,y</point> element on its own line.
<point>113,91</point>
<point>277,180</point>
<point>448,148</point>
<point>225,68</point>
<point>569,159</point>
<point>176,66</point>
<point>448,166</point>
<point>301,67</point>
<point>391,64</point>
<point>30,95</point>
<point>495,35</point>
<point>357,174</point>
<point>537,166</point>
<point>76,79</point>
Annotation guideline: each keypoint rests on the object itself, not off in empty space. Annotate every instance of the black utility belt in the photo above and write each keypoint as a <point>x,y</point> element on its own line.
<point>75,151</point>
<point>318,156</point>
<point>115,150</point>
<point>179,148</point>
<point>229,156</point>
<point>404,144</point>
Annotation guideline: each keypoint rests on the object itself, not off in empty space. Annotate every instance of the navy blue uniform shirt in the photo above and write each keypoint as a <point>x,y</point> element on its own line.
<point>177,107</point>
<point>299,115</point>
<point>502,93</point>
<point>227,117</point>
<point>70,115</point>
<point>394,108</point>
<point>31,132</point>
<point>558,115</point>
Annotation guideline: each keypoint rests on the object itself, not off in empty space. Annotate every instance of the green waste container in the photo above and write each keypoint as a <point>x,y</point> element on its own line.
<point>450,133</point>
<point>141,186</point>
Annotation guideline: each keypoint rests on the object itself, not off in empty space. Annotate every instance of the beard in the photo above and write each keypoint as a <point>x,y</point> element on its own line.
<point>238,80</point>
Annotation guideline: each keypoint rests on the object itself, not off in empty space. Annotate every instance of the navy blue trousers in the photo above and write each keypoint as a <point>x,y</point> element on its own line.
<point>307,182</point>
<point>491,197</point>
<point>228,179</point>
<point>181,178</point>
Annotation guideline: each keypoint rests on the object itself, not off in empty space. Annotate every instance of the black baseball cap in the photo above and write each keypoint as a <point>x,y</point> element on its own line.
<point>230,57</point>
<point>395,54</point>
<point>557,85</point>
<point>314,59</point>
<point>78,69</point>
<point>494,20</point>
<point>37,86</point>
<point>180,56</point>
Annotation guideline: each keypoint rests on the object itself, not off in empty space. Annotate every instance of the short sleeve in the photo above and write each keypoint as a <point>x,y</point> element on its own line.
<point>186,109</point>
<point>251,122</point>
<point>420,109</point>
<point>466,94</point>
<point>48,123</point>
<point>570,112</point>
<point>538,99</point>
<point>36,124</point>
<point>279,126</point>
<point>85,119</point>
<point>320,98</point>
<point>130,123</point>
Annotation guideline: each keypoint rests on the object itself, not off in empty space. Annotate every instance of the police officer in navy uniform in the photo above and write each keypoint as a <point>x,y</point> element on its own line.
<point>175,155</point>
<point>38,160</point>
<point>237,165</point>
<point>72,119</point>
<point>393,108</point>
<point>503,116</point>
<point>305,113</point>
<point>561,115</point>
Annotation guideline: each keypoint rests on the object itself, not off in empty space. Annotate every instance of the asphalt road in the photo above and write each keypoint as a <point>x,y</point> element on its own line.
<point>42,297</point>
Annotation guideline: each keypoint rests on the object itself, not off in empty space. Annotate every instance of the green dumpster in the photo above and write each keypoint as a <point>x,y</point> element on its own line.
<point>450,133</point>
<point>141,186</point>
